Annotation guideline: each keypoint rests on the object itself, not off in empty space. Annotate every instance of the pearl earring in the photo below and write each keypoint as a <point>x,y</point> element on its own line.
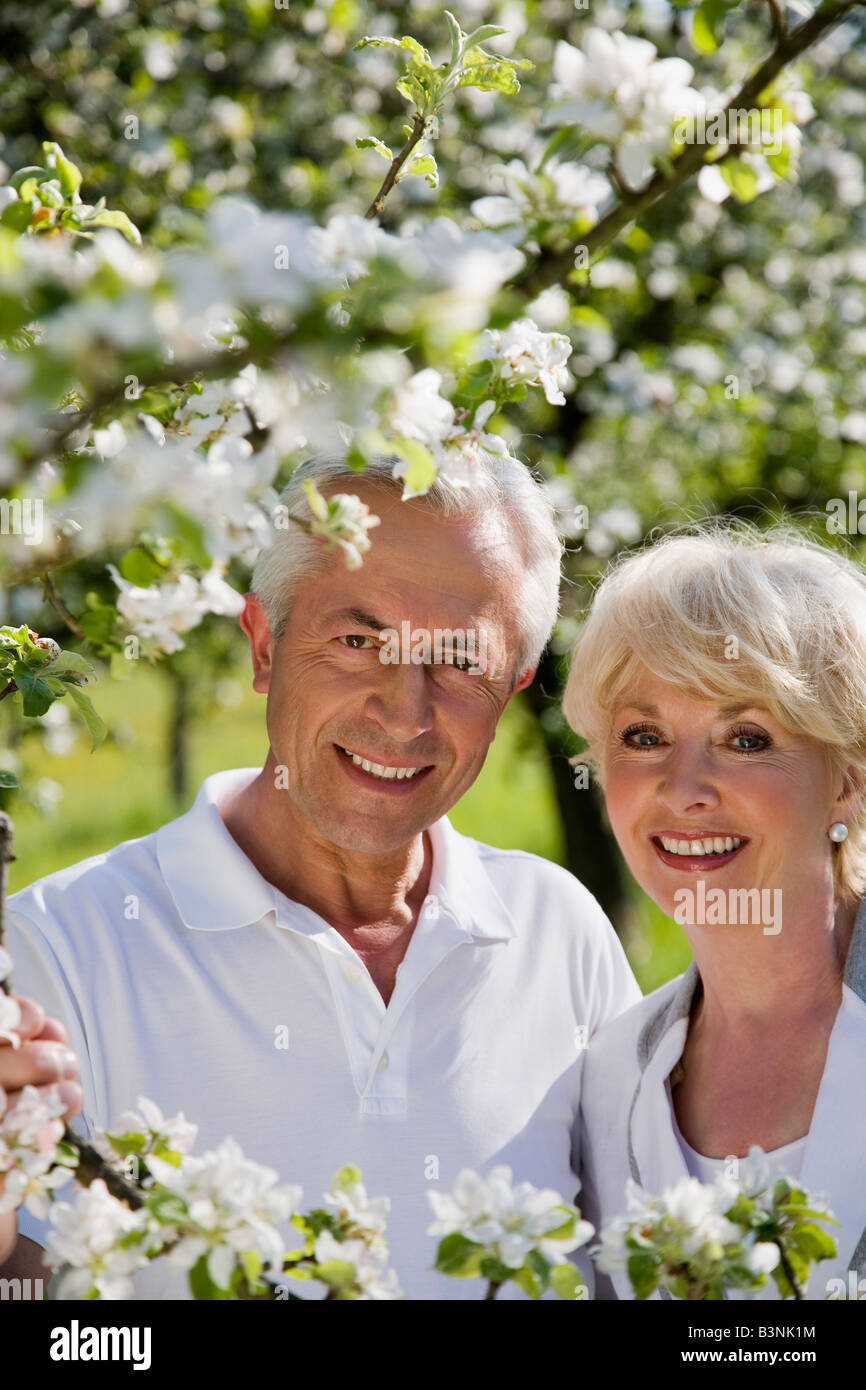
<point>838,832</point>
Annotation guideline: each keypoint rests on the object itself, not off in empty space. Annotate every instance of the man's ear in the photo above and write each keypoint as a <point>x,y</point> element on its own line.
<point>254,622</point>
<point>526,679</point>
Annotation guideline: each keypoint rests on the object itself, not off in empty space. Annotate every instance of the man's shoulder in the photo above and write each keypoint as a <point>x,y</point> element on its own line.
<point>536,873</point>
<point>68,892</point>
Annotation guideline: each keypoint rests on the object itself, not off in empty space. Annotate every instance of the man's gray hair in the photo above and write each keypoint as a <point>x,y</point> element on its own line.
<point>502,486</point>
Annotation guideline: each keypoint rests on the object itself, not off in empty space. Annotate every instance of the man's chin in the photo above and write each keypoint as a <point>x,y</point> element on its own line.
<point>360,836</point>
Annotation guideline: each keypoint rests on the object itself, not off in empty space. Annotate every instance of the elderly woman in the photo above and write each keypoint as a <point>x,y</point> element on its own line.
<point>720,683</point>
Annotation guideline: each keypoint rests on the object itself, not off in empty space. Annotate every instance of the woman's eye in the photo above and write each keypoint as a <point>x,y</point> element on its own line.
<point>356,640</point>
<point>638,736</point>
<point>756,740</point>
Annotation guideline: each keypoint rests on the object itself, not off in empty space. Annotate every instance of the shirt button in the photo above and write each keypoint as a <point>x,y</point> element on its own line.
<point>382,1064</point>
<point>352,973</point>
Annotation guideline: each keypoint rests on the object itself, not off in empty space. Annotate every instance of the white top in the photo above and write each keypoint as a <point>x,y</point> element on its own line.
<point>629,1130</point>
<point>787,1160</point>
<point>177,968</point>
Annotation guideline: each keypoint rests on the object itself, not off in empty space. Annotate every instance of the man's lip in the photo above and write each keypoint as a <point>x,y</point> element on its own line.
<point>376,758</point>
<point>386,786</point>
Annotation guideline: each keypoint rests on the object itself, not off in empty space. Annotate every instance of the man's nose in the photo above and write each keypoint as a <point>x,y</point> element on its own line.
<point>401,703</point>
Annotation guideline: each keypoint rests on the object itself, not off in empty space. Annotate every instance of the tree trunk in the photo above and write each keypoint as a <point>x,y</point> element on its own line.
<point>590,849</point>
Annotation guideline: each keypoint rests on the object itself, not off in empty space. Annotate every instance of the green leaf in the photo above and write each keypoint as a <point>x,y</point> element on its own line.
<point>168,1155</point>
<point>36,695</point>
<point>421,468</point>
<point>336,1273</point>
<point>95,723</point>
<point>642,1269</point>
<point>251,1264</point>
<point>565,1280</point>
<point>17,216</point>
<point>528,1282</point>
<point>740,178</point>
<point>201,1285</point>
<point>706,25</point>
<point>490,77</point>
<point>140,568</point>
<point>365,142</point>
<point>425,164</point>
<point>69,175</point>
<point>8,780</point>
<point>455,34</point>
<point>347,1176</point>
<point>418,52</point>
<point>459,1257</point>
<point>68,661</point>
<point>21,176</point>
<point>130,1143</point>
<point>481,35</point>
<point>119,221</point>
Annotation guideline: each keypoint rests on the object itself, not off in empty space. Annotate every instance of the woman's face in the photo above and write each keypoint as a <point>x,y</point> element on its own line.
<point>726,794</point>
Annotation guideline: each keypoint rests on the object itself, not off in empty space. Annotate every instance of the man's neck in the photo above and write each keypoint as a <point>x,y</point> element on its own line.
<point>352,891</point>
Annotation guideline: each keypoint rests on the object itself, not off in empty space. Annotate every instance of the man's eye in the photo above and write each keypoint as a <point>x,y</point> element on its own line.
<point>356,640</point>
<point>461,663</point>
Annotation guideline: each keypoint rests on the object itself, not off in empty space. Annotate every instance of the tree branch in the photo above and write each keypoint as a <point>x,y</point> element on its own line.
<point>554,268</point>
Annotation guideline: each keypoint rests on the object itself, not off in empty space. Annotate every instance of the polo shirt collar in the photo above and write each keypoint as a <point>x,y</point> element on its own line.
<point>215,886</point>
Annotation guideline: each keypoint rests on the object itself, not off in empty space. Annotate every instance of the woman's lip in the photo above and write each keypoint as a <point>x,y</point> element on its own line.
<point>697,863</point>
<point>698,835</point>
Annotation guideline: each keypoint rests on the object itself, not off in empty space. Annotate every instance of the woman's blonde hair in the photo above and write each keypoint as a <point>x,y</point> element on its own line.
<point>730,612</point>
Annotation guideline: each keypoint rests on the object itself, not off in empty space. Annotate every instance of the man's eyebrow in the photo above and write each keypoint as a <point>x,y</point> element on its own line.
<point>360,618</point>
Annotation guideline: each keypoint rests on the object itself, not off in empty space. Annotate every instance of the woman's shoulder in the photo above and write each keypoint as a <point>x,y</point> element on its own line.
<point>616,1042</point>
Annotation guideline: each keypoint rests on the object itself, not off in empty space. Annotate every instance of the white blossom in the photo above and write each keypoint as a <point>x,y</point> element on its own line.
<point>343,520</point>
<point>617,89</point>
<point>527,355</point>
<point>160,612</point>
<point>419,412</point>
<point>233,1205</point>
<point>372,1274</point>
<point>509,1220</point>
<point>85,1235</point>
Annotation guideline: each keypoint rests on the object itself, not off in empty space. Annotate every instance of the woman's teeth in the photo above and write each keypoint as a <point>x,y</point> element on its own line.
<point>388,774</point>
<point>716,845</point>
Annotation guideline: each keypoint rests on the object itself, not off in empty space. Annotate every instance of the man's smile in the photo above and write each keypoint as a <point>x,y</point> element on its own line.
<point>390,775</point>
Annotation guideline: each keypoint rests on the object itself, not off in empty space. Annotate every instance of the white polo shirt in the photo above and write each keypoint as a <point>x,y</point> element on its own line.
<point>180,973</point>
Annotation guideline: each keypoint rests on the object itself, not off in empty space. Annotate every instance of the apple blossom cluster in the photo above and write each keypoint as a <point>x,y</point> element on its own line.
<point>617,90</point>
<point>502,1230</point>
<point>33,1160</point>
<point>219,1216</point>
<point>698,1239</point>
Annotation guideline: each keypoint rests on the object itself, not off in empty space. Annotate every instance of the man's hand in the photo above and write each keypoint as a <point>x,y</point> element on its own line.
<point>44,1058</point>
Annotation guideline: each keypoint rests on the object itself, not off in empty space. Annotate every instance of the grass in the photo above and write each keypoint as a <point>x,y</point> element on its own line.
<point>122,791</point>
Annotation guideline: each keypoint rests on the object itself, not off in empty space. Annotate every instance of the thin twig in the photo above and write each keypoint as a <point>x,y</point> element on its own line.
<point>418,131</point>
<point>56,601</point>
<point>778,21</point>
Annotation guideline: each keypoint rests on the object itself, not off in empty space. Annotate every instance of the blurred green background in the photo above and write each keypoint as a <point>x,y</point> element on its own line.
<point>84,803</point>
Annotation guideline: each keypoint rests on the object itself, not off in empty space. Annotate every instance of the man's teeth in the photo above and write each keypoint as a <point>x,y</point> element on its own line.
<point>716,845</point>
<point>388,774</point>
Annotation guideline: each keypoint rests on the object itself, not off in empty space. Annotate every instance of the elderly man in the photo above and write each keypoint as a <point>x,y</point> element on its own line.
<point>311,959</point>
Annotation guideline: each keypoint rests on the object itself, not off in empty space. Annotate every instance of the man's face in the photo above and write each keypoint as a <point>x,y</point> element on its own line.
<point>423,726</point>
